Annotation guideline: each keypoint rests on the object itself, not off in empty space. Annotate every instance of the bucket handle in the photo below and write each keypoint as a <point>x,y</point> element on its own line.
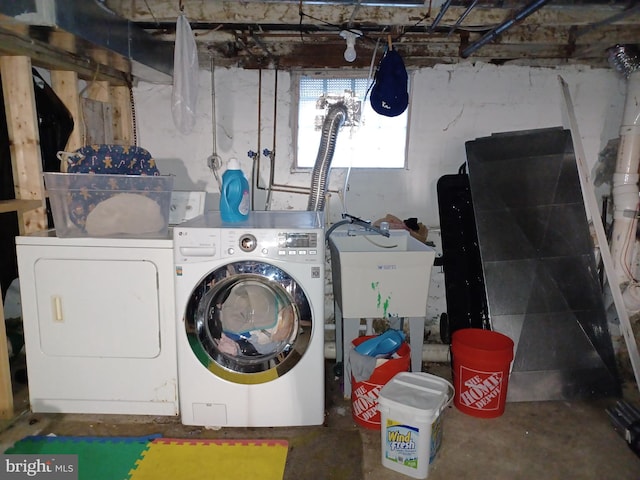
<point>451,393</point>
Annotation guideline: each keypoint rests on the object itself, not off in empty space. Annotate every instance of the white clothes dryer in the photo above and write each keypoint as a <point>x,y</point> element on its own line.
<point>250,319</point>
<point>99,324</point>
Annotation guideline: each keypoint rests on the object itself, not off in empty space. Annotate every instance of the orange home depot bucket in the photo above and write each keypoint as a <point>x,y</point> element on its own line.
<point>481,361</point>
<point>364,395</point>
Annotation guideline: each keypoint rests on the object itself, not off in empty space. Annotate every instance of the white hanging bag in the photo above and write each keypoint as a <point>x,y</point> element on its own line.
<point>185,77</point>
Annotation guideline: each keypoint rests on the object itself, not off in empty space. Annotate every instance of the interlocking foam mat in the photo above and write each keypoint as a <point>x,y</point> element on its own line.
<point>99,458</point>
<point>216,459</point>
<point>157,458</point>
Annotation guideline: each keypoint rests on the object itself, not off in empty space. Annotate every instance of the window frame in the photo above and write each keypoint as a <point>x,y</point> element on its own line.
<point>296,75</point>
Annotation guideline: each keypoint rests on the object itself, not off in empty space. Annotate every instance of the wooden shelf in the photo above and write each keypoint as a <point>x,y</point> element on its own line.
<point>19,206</point>
<point>15,41</point>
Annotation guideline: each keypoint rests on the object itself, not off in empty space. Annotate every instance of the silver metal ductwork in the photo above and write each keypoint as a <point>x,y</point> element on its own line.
<point>151,59</point>
<point>319,177</point>
<point>540,274</point>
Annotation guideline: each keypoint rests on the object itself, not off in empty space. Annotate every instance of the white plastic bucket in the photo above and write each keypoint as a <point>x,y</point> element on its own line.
<point>411,423</point>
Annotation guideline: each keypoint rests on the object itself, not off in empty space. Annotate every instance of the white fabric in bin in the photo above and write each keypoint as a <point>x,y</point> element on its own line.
<point>125,213</point>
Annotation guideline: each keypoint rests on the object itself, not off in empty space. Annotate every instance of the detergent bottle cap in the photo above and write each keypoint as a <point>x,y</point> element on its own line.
<point>233,164</point>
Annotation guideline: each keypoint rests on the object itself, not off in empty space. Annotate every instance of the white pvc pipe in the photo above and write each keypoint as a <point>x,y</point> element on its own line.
<point>431,352</point>
<point>625,186</point>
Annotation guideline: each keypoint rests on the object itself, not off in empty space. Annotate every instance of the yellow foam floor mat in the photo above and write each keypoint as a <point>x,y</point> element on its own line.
<point>172,458</point>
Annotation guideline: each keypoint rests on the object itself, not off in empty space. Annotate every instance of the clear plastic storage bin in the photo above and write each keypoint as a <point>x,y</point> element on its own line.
<point>101,205</point>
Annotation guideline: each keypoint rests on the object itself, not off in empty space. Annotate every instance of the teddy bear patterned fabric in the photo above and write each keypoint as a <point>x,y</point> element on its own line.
<point>112,159</point>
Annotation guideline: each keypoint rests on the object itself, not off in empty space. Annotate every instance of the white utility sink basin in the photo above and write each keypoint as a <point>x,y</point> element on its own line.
<point>377,277</point>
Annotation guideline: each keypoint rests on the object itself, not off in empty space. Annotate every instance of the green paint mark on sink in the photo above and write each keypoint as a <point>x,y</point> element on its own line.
<point>385,305</point>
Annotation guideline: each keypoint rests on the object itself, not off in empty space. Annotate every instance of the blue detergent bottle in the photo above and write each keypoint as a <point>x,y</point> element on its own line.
<point>234,195</point>
<point>384,344</point>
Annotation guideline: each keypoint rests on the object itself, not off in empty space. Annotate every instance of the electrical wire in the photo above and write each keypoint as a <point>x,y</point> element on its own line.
<point>345,187</point>
<point>364,36</point>
<point>301,14</point>
<point>333,26</point>
<point>353,13</point>
<point>369,38</point>
<point>151,13</point>
<point>379,245</point>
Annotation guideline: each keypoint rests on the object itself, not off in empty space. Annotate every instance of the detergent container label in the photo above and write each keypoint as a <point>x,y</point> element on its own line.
<point>411,405</point>
<point>245,204</point>
<point>401,444</point>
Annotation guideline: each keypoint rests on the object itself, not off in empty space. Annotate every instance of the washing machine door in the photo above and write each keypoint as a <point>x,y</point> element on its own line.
<point>248,322</point>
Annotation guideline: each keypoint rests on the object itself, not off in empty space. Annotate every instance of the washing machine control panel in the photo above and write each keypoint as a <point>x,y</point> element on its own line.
<point>298,240</point>
<point>297,246</point>
<point>192,245</point>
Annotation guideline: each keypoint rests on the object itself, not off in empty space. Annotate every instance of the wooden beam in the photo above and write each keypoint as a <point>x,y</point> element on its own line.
<point>65,84</point>
<point>24,139</point>
<point>336,14</point>
<point>52,57</point>
<point>6,392</point>
<point>122,116</point>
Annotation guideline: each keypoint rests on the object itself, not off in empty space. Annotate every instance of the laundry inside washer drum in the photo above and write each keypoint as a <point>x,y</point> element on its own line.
<point>244,320</point>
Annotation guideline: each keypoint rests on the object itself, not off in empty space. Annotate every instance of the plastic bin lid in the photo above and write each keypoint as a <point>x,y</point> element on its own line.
<point>419,392</point>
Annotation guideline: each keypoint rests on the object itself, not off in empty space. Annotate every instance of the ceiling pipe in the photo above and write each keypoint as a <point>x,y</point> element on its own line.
<point>463,16</point>
<point>497,31</point>
<point>443,10</point>
<point>632,10</point>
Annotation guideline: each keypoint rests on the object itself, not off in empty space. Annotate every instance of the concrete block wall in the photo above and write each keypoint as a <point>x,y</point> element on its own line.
<point>450,104</point>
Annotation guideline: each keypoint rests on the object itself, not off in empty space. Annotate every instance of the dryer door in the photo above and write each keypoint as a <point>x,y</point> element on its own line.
<point>248,322</point>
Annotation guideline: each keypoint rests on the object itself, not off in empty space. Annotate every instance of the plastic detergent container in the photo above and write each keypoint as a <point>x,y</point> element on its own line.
<point>384,344</point>
<point>411,405</point>
<point>234,195</point>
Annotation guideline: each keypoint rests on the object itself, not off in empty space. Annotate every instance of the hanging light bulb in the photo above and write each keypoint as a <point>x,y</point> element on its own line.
<point>350,36</point>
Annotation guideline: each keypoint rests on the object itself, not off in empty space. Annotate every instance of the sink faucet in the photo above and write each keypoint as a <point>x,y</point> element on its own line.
<point>365,224</point>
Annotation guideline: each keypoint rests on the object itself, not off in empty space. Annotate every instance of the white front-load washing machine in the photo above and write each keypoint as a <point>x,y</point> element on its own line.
<point>250,319</point>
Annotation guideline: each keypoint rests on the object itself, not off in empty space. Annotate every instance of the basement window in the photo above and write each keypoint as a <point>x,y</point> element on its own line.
<point>366,139</point>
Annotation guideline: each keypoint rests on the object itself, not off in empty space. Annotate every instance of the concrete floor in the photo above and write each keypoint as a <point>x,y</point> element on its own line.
<point>546,440</point>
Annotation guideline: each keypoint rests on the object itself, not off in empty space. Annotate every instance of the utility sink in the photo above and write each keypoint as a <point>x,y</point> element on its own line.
<point>377,277</point>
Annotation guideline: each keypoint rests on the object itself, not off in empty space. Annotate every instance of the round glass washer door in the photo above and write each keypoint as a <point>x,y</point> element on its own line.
<point>248,322</point>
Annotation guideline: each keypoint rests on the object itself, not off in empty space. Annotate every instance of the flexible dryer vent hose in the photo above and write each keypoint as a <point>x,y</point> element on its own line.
<point>319,178</point>
<point>624,58</point>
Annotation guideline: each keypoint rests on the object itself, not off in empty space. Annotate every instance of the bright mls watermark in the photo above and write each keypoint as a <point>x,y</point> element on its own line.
<point>50,467</point>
